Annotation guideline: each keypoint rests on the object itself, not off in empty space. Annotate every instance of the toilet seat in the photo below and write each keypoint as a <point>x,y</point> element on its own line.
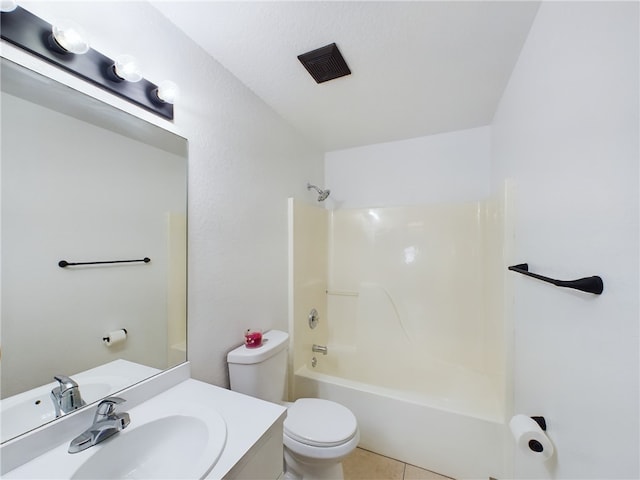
<point>317,422</point>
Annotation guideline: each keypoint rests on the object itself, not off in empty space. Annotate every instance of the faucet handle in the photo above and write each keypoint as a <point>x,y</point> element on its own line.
<point>106,407</point>
<point>319,349</point>
<point>66,396</point>
<point>65,382</point>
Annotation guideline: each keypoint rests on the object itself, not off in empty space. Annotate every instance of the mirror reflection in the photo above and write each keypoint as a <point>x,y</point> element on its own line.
<point>84,182</point>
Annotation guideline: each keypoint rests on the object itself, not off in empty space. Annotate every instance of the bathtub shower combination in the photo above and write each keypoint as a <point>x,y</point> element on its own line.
<point>410,302</point>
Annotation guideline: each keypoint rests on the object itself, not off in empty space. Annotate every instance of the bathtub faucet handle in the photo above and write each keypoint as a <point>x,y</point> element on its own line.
<point>319,349</point>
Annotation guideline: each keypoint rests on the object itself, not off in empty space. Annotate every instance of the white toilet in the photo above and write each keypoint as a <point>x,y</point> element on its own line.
<point>318,433</point>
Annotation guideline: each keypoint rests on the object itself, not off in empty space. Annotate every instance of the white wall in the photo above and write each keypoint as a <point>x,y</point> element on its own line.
<point>566,132</point>
<point>244,162</point>
<point>449,167</point>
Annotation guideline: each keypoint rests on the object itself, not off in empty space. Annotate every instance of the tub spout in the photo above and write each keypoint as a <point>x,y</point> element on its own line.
<point>319,349</point>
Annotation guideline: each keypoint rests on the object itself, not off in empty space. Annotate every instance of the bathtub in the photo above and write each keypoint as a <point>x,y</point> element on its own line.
<point>411,305</point>
<point>455,427</point>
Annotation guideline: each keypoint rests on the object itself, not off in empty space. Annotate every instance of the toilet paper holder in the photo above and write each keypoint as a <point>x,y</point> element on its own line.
<point>104,339</point>
<point>530,435</point>
<point>535,445</point>
<point>540,421</point>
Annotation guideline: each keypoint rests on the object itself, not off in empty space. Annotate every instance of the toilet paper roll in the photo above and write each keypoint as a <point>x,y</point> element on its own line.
<point>530,438</point>
<point>114,338</point>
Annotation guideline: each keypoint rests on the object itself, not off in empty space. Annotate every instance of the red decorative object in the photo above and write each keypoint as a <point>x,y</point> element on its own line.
<point>253,338</point>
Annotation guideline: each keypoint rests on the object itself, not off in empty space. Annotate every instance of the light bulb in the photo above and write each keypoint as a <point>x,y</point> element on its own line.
<point>127,68</point>
<point>8,5</point>
<point>70,37</point>
<point>167,91</point>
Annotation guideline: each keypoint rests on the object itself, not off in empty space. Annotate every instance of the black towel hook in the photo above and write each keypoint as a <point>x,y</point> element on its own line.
<point>588,284</point>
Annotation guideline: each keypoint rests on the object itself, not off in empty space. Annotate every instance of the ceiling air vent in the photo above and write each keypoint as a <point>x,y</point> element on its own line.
<point>325,63</point>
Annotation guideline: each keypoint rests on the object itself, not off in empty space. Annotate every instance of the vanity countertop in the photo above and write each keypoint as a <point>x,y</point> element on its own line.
<point>251,424</point>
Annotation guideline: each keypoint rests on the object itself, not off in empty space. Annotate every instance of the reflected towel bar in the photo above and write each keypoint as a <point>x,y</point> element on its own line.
<point>342,293</point>
<point>64,263</point>
<point>588,284</point>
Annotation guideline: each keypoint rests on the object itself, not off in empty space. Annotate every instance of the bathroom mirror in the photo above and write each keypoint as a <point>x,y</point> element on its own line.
<point>85,182</point>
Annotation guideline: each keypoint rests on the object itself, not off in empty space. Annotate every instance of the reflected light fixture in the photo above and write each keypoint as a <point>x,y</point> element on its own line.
<point>68,37</point>
<point>65,45</point>
<point>374,215</point>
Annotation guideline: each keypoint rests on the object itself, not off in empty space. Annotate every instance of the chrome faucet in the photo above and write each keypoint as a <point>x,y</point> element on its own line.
<point>105,423</point>
<point>319,349</point>
<point>66,396</point>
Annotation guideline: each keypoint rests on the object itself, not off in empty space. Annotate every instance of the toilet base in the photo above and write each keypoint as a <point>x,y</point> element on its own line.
<point>297,470</point>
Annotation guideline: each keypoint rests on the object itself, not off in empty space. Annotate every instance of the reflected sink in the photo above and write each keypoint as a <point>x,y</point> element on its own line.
<point>176,446</point>
<point>22,414</point>
<point>28,410</point>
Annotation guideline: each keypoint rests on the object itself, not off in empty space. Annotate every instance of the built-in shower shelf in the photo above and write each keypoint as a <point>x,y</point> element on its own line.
<point>342,293</point>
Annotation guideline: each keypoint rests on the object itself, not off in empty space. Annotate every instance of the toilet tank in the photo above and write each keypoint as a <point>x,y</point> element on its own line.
<point>261,372</point>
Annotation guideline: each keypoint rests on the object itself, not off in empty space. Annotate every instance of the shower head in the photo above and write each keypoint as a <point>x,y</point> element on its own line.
<point>322,194</point>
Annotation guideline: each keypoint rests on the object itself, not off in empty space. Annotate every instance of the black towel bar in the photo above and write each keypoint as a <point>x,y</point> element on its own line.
<point>588,284</point>
<point>64,263</point>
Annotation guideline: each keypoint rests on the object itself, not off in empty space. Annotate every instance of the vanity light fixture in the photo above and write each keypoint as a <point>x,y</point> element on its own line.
<point>68,37</point>
<point>8,5</point>
<point>126,67</point>
<point>167,91</point>
<point>63,46</point>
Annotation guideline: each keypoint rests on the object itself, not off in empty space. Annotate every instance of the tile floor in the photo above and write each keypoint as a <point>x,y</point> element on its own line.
<point>365,465</point>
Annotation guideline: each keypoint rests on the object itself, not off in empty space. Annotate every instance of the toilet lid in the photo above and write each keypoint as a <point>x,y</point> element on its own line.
<point>320,423</point>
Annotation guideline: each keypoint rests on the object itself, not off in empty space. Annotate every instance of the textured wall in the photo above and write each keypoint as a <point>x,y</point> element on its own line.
<point>244,162</point>
<point>449,167</point>
<point>566,132</point>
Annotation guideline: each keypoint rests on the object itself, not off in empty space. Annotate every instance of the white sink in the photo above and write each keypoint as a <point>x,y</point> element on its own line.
<point>176,446</point>
<point>178,429</point>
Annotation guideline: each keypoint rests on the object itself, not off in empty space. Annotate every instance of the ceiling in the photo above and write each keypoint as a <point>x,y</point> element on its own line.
<point>418,68</point>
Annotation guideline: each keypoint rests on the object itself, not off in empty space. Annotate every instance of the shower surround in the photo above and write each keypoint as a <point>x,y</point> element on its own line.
<point>411,305</point>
